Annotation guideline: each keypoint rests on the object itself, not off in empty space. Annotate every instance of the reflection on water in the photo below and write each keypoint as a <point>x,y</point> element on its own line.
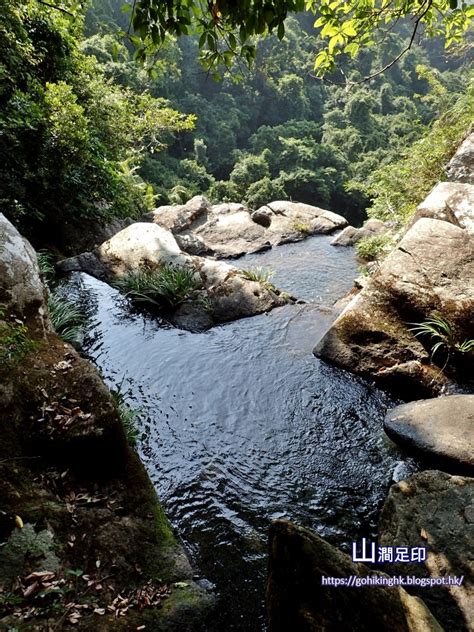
<point>244,425</point>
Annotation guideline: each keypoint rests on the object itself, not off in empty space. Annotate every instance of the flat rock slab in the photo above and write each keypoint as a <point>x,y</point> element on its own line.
<point>435,510</point>
<point>441,429</point>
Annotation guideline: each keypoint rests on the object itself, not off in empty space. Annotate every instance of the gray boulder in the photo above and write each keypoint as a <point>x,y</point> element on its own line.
<point>179,217</point>
<point>435,510</point>
<point>297,600</point>
<point>231,230</point>
<point>440,429</point>
<point>22,294</point>
<point>350,235</point>
<point>449,201</point>
<point>224,293</point>
<point>430,272</point>
<point>461,166</point>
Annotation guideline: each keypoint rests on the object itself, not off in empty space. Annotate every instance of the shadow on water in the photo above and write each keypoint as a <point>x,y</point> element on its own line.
<point>243,424</point>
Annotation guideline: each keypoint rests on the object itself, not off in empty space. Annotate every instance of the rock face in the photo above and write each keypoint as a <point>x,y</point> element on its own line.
<point>450,201</point>
<point>461,166</point>
<point>22,293</point>
<point>440,429</point>
<point>73,495</point>
<point>230,230</point>
<point>430,272</point>
<point>350,235</point>
<point>435,510</point>
<point>224,293</point>
<point>297,600</point>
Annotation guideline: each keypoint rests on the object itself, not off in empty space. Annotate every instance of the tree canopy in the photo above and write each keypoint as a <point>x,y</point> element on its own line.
<point>227,29</point>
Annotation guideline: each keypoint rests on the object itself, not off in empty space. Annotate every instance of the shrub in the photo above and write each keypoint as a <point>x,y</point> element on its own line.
<point>66,318</point>
<point>14,340</point>
<point>167,287</point>
<point>371,248</point>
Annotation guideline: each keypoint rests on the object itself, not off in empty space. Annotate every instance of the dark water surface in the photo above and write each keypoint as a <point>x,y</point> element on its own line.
<point>242,424</point>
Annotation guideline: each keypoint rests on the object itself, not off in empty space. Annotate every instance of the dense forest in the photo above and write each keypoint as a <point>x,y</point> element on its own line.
<point>86,133</point>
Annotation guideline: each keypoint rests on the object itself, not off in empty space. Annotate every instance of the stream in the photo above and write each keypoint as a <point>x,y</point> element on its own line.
<point>242,424</point>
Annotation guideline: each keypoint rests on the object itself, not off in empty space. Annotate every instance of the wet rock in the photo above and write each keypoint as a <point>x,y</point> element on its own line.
<point>297,600</point>
<point>223,292</point>
<point>350,235</point>
<point>449,201</point>
<point>435,510</point>
<point>461,166</point>
<point>440,429</point>
<point>430,272</point>
<point>22,293</point>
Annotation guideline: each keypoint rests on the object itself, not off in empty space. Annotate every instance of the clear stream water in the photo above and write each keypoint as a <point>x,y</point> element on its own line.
<point>242,424</point>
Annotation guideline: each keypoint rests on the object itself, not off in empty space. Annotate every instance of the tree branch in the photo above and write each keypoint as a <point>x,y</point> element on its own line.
<point>56,7</point>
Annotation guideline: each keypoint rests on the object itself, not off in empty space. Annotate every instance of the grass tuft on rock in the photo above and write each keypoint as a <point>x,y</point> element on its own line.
<point>260,275</point>
<point>66,318</point>
<point>167,287</point>
<point>374,247</point>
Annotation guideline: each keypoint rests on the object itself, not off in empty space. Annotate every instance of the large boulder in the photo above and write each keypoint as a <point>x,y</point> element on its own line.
<point>231,230</point>
<point>435,510</point>
<point>73,494</point>
<point>461,166</point>
<point>450,201</point>
<point>293,221</point>
<point>179,217</point>
<point>430,272</point>
<point>223,292</point>
<point>441,430</point>
<point>22,294</point>
<point>298,600</point>
<point>350,235</point>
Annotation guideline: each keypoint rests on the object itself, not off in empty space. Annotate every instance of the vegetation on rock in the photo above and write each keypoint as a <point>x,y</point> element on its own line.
<point>166,287</point>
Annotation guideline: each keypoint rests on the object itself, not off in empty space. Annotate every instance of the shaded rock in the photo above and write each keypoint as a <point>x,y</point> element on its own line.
<point>76,236</point>
<point>22,293</point>
<point>435,510</point>
<point>230,230</point>
<point>81,496</point>
<point>430,271</point>
<point>461,166</point>
<point>440,429</point>
<point>350,235</point>
<point>297,600</point>
<point>224,293</point>
<point>449,201</point>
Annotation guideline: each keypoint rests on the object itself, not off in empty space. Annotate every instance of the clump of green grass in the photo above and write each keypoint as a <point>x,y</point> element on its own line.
<point>46,264</point>
<point>442,336</point>
<point>260,275</point>
<point>373,247</point>
<point>66,318</point>
<point>14,340</point>
<point>128,415</point>
<point>167,287</point>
